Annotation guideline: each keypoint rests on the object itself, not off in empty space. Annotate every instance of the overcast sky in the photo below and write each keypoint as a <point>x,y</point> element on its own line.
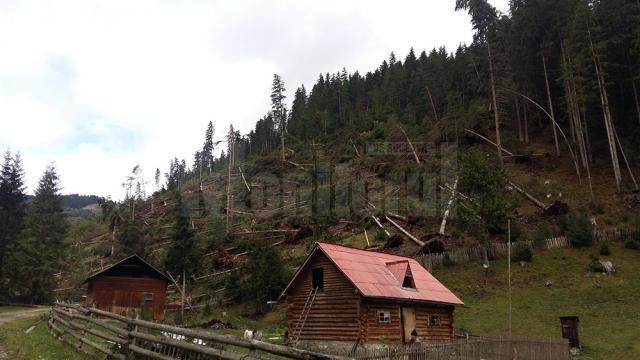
<point>100,86</point>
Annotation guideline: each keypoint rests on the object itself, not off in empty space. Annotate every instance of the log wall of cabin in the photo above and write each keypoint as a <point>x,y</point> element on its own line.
<point>124,295</point>
<point>334,314</point>
<point>376,332</point>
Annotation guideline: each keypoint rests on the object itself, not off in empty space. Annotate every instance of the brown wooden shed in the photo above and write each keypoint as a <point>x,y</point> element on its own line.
<point>128,287</point>
<point>346,295</point>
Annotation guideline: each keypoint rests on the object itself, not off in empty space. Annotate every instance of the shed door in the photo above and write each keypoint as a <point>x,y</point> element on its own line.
<point>408,322</point>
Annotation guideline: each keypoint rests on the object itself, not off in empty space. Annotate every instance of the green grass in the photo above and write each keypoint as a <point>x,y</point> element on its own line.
<point>37,344</point>
<point>607,305</point>
<point>4,310</point>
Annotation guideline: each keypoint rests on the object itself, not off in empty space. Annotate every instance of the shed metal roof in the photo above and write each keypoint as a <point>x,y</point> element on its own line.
<point>379,275</point>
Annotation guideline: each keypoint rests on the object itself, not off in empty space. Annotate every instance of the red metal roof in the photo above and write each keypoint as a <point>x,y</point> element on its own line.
<point>380,275</point>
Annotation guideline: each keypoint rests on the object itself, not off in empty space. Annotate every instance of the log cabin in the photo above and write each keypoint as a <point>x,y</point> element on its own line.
<point>129,287</point>
<point>342,297</point>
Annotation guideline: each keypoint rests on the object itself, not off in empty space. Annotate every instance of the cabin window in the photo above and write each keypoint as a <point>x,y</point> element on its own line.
<point>317,278</point>
<point>147,296</point>
<point>384,317</point>
<point>408,281</point>
<point>434,320</point>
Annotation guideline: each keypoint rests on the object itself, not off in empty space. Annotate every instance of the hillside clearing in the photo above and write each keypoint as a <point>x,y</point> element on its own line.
<point>606,305</point>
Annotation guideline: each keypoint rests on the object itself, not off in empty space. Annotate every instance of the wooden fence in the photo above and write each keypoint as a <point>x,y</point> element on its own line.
<point>498,250</point>
<point>480,348</point>
<point>96,332</point>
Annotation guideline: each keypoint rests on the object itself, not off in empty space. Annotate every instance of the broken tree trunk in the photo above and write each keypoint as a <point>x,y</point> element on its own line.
<point>608,121</point>
<point>380,225</point>
<point>537,202</point>
<point>454,191</point>
<point>402,230</point>
<point>490,142</point>
<point>495,105</point>
<point>626,162</point>
<point>410,144</point>
<point>553,119</point>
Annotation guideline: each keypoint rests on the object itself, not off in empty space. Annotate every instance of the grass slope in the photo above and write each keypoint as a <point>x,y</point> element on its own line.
<point>607,305</point>
<point>37,344</point>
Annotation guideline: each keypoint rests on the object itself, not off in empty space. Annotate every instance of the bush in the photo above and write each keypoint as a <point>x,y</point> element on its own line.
<point>604,250</point>
<point>541,235</point>
<point>521,252</point>
<point>578,229</point>
<point>594,265</point>
<point>446,260</point>
<point>632,244</point>
<point>597,208</point>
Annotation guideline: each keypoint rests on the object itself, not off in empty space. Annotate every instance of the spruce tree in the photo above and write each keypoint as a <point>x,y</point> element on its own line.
<point>12,201</point>
<point>278,108</point>
<point>185,253</point>
<point>206,155</point>
<point>40,251</point>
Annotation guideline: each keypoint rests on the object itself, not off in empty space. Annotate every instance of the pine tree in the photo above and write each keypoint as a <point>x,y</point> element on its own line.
<point>278,108</point>
<point>12,201</point>
<point>185,253</point>
<point>40,252</point>
<point>206,155</point>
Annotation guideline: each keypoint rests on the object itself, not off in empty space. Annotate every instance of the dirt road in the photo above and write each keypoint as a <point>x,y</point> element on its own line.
<point>5,318</point>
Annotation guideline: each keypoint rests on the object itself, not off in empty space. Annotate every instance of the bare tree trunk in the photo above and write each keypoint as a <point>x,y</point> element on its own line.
<point>553,116</point>
<point>573,110</point>
<point>608,121</point>
<point>526,122</point>
<point>519,120</point>
<point>230,158</point>
<point>626,162</point>
<point>433,105</point>
<point>635,96</point>
<point>495,107</point>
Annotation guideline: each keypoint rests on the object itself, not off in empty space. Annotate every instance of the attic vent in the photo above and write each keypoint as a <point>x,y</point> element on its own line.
<point>408,280</point>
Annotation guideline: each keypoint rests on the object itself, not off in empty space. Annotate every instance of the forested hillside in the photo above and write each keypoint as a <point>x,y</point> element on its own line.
<point>533,124</point>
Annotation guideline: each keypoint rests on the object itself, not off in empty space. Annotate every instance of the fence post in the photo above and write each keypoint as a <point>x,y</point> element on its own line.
<point>131,339</point>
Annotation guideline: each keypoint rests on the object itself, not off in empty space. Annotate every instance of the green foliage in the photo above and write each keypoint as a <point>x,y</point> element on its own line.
<point>446,260</point>
<point>596,208</point>
<point>604,250</point>
<point>233,287</point>
<point>577,228</point>
<point>594,264</point>
<point>485,183</point>
<point>541,235</point>
<point>41,250</point>
<point>217,234</point>
<point>632,244</point>
<point>130,237</point>
<point>266,276</point>
<point>185,254</point>
<point>12,203</point>
<point>521,252</point>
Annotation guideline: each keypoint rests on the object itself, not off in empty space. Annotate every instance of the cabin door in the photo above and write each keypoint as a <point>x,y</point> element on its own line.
<point>408,322</point>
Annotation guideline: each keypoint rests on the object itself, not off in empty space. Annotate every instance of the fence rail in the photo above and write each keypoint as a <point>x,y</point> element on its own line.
<point>498,250</point>
<point>93,331</point>
<point>520,348</point>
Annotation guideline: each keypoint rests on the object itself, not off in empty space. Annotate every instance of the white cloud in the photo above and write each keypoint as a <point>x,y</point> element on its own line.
<point>101,86</point>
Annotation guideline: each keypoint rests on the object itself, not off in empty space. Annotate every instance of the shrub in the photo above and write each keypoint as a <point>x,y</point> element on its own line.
<point>597,208</point>
<point>604,250</point>
<point>446,260</point>
<point>595,265</point>
<point>521,252</point>
<point>578,229</point>
<point>541,235</point>
<point>632,244</point>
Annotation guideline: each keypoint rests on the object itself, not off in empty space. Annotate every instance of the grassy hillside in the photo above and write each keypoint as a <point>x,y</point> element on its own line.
<point>607,305</point>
